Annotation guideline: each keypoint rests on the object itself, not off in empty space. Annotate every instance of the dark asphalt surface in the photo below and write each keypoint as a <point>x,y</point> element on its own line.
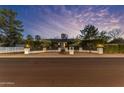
<point>62,72</point>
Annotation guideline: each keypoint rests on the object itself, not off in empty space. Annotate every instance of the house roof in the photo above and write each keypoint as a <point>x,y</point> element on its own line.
<point>60,40</point>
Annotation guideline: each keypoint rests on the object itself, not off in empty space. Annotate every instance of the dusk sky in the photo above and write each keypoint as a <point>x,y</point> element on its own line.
<point>51,21</point>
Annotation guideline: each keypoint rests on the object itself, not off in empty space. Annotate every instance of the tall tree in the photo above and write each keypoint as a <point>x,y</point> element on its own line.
<point>103,35</point>
<point>91,37</point>
<point>10,27</point>
<point>116,33</point>
<point>37,42</point>
<point>29,39</point>
<point>37,38</point>
<point>117,41</point>
<point>89,32</point>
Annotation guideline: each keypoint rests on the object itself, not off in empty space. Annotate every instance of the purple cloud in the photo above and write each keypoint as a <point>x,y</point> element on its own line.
<point>51,21</point>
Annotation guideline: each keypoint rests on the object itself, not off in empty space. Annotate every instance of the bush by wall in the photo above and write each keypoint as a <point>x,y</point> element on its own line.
<point>114,48</point>
<point>121,48</point>
<point>91,44</point>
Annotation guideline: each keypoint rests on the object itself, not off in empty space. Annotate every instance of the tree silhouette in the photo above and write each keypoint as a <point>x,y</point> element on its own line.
<point>29,41</point>
<point>10,27</point>
<point>37,42</point>
<point>89,32</point>
<point>116,33</point>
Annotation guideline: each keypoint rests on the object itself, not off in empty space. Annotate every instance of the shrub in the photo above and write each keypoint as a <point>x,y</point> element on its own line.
<point>91,44</point>
<point>111,48</point>
<point>46,43</point>
<point>121,48</point>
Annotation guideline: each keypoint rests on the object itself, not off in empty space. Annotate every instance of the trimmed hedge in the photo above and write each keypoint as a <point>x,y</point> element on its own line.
<point>121,48</point>
<point>114,48</point>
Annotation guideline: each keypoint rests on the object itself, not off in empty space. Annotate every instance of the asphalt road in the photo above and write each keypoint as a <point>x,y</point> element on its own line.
<point>59,72</point>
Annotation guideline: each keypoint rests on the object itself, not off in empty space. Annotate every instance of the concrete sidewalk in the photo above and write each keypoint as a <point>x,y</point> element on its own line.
<point>57,55</point>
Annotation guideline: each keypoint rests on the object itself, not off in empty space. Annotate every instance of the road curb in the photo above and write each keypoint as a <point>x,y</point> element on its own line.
<point>61,56</point>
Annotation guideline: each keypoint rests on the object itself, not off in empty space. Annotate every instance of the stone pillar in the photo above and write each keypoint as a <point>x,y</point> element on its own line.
<point>44,49</point>
<point>66,49</point>
<point>80,49</point>
<point>59,49</point>
<point>64,44</point>
<point>100,48</point>
<point>71,50</point>
<point>26,50</point>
